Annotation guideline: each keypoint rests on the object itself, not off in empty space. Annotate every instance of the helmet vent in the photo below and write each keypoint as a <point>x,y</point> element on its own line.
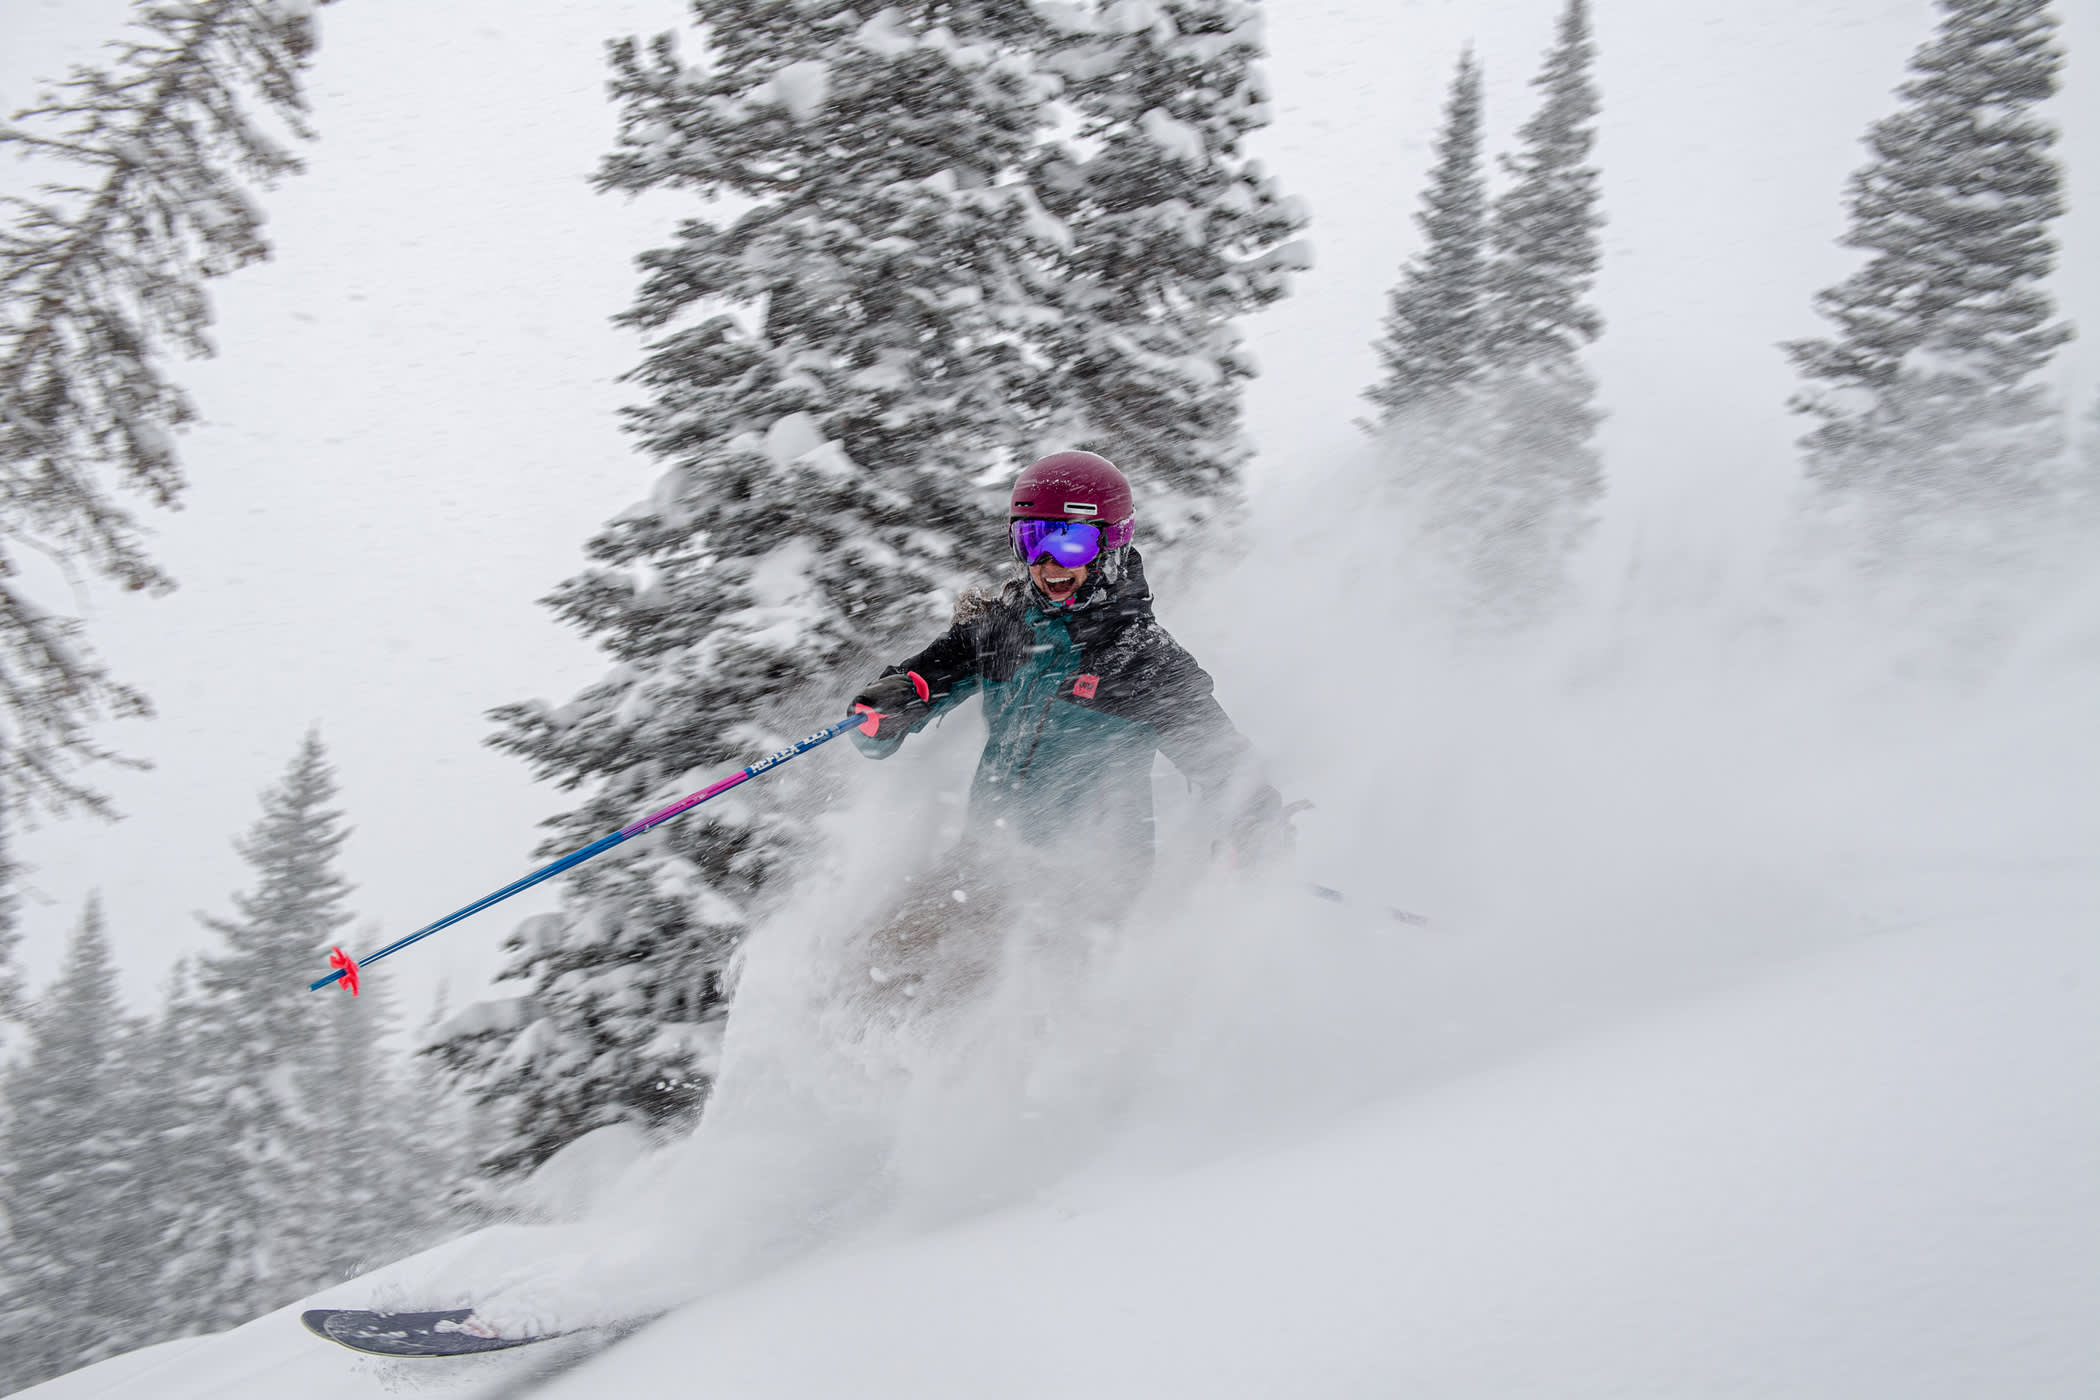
<point>1081,508</point>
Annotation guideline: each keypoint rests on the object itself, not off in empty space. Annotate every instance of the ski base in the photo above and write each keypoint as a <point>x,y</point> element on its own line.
<point>453,1332</point>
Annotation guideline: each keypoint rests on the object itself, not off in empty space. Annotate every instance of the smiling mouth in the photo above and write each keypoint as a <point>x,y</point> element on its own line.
<point>1060,586</point>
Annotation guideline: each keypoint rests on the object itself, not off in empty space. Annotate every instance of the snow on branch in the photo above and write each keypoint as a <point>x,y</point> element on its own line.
<point>146,166</point>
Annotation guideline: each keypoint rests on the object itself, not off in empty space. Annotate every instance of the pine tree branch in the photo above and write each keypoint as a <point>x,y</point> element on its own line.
<point>99,279</point>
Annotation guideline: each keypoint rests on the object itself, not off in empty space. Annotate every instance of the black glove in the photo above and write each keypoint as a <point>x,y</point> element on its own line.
<point>892,705</point>
<point>1262,840</point>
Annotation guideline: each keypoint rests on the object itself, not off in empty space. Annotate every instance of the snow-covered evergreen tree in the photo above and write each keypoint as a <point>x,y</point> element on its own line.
<point>910,284</point>
<point>840,357</point>
<point>1544,228</point>
<point>1932,422</point>
<point>253,1044</point>
<point>70,1178</point>
<point>149,161</point>
<point>913,282</point>
<point>1500,465</point>
<point>1538,500</point>
<point>180,1165</point>
<point>1172,232</point>
<point>1435,330</point>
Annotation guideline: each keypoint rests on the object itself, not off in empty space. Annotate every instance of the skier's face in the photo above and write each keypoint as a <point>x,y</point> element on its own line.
<point>1056,582</point>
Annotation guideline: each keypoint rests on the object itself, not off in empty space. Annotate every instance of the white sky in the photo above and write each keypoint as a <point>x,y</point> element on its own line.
<point>409,430</point>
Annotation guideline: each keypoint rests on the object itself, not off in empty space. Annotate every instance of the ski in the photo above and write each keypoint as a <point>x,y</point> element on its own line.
<point>453,1332</point>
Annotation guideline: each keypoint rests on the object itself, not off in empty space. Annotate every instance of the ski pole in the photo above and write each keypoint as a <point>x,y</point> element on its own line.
<point>347,967</point>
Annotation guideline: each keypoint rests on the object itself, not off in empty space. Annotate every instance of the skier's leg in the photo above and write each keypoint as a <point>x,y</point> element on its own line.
<point>939,941</point>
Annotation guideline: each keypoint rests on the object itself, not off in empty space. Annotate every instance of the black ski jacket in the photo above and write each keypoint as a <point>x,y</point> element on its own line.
<point>1077,701</point>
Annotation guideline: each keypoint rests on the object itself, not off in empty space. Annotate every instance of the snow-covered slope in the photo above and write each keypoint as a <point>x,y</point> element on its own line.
<point>1874,1170</point>
<point>1879,1174</point>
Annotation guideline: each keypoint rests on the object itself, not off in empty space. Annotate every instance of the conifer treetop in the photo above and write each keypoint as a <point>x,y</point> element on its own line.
<point>1955,206</point>
<point>1433,331</point>
<point>77,1020</point>
<point>1928,395</point>
<point>290,916</point>
<point>1545,225</point>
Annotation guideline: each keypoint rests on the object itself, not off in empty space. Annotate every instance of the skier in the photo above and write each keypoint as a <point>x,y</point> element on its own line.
<point>1081,686</point>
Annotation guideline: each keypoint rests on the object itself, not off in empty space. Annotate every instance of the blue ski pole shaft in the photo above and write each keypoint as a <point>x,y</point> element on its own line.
<point>598,847</point>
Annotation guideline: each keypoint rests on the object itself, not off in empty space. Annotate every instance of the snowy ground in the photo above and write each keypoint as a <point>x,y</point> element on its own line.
<point>1878,1174</point>
<point>1869,1170</point>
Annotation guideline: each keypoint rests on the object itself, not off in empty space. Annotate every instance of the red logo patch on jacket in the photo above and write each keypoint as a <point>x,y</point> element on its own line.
<point>1085,687</point>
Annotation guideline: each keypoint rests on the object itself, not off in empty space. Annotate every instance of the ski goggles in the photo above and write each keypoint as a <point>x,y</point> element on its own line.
<point>1069,542</point>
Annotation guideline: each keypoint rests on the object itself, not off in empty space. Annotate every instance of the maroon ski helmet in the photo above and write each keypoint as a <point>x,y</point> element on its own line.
<point>1077,486</point>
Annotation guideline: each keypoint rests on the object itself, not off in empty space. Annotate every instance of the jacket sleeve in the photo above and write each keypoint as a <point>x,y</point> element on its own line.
<point>1195,733</point>
<point>950,668</point>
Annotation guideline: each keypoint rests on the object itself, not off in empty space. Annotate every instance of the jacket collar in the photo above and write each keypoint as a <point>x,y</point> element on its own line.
<point>1099,603</point>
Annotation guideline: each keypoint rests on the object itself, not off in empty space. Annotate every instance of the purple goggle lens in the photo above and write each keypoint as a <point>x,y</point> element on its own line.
<point>1070,542</point>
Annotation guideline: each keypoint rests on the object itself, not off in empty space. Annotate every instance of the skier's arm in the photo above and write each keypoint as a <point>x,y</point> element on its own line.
<point>1199,739</point>
<point>1195,733</point>
<point>948,669</point>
